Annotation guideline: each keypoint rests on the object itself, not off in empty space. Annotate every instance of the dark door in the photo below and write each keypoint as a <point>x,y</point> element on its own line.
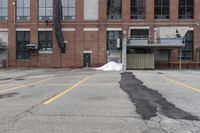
<point>86,59</point>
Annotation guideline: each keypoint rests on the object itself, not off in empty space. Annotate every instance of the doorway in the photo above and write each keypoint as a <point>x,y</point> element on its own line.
<point>86,59</point>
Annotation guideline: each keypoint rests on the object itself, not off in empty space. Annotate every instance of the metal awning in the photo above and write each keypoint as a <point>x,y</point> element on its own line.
<point>171,32</point>
<point>157,45</point>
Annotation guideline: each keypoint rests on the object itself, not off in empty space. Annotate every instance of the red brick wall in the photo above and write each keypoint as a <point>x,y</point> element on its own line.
<point>79,40</point>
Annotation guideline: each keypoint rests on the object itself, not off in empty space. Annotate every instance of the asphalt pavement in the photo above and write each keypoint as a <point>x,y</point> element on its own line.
<point>90,101</point>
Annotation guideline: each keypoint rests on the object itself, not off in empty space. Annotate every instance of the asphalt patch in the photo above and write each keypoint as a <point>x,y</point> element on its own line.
<point>160,73</point>
<point>149,102</point>
<point>8,95</point>
<point>18,79</point>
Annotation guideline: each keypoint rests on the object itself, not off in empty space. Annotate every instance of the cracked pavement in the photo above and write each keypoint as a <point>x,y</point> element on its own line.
<point>95,106</point>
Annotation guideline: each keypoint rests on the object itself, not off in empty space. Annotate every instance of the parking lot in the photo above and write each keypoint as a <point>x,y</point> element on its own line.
<point>90,101</point>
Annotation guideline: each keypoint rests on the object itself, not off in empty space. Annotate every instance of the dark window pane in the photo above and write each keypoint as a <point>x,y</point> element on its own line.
<point>187,51</point>
<point>161,9</point>
<point>112,37</point>
<point>138,9</point>
<point>45,40</point>
<point>139,33</point>
<point>22,38</point>
<point>186,9</point>
<point>114,9</point>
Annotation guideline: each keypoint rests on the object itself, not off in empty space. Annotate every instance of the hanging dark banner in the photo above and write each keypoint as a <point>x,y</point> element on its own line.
<point>58,29</point>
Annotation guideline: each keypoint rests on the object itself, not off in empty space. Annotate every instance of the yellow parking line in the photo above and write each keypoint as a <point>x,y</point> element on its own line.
<point>65,91</point>
<point>181,84</point>
<point>25,85</point>
<point>6,81</point>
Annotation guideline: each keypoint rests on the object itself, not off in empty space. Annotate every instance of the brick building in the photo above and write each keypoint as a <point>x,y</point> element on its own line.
<point>93,31</point>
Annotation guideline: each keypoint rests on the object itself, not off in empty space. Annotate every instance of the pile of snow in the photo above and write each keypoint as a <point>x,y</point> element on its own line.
<point>111,66</point>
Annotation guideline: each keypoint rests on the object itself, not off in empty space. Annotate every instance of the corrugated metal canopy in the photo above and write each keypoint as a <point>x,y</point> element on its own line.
<point>157,46</point>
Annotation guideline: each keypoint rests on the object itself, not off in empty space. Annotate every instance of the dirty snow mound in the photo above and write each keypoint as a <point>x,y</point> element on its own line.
<point>111,66</point>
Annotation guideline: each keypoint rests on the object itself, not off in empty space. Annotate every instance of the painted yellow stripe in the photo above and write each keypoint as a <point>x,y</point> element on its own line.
<point>65,91</point>
<point>181,84</point>
<point>25,85</point>
<point>6,81</point>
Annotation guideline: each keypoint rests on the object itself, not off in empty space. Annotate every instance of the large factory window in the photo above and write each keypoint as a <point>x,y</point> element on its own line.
<point>45,9</point>
<point>45,40</point>
<point>188,50</point>
<point>161,9</point>
<point>186,9</point>
<point>69,9</point>
<point>114,8</point>
<point>3,10</point>
<point>22,38</point>
<point>138,9</point>
<point>23,10</point>
<point>114,40</point>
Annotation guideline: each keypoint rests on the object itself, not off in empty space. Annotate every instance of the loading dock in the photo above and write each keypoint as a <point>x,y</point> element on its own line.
<point>141,51</point>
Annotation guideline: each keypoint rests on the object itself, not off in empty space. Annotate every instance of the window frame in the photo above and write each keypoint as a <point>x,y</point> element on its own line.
<point>45,17</point>
<point>138,8</point>
<point>2,8</point>
<point>185,10</point>
<point>25,54</point>
<point>23,11</point>
<point>162,7</point>
<point>45,42</point>
<point>116,13</point>
<point>185,50</point>
<point>67,15</point>
<point>139,33</point>
<point>117,34</point>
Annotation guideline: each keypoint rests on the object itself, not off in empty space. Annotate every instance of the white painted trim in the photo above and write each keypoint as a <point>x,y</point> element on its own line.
<point>23,29</point>
<point>87,51</point>
<point>191,28</point>
<point>45,29</point>
<point>91,29</point>
<point>45,52</point>
<point>140,27</point>
<point>114,29</point>
<point>3,29</point>
<point>68,29</point>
